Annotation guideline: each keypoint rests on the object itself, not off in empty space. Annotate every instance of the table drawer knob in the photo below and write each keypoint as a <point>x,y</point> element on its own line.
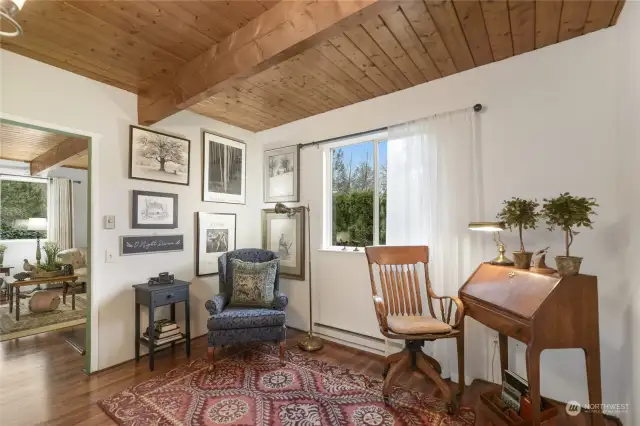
<point>169,296</point>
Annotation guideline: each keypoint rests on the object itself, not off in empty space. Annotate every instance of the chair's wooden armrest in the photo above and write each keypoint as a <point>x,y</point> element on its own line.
<point>459,312</point>
<point>381,313</point>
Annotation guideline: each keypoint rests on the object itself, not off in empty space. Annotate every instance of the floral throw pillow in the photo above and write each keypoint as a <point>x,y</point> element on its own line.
<point>253,283</point>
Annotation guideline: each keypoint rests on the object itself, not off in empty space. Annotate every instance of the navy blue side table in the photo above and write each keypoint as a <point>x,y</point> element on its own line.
<point>157,295</point>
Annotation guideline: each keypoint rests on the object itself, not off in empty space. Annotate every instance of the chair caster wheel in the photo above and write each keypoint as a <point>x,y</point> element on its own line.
<point>385,371</point>
<point>387,400</point>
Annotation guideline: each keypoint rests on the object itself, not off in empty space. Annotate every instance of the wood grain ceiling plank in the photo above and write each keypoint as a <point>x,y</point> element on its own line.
<point>470,16</point>
<point>314,58</point>
<point>237,120</point>
<point>336,57</point>
<point>362,61</point>
<point>230,101</point>
<point>270,100</point>
<point>547,22</point>
<point>600,15</point>
<point>66,28</point>
<point>46,50</point>
<point>207,18</point>
<point>446,21</point>
<point>239,13</point>
<point>203,21</point>
<point>523,22</point>
<point>496,18</point>
<point>67,65</point>
<point>249,114</point>
<point>369,47</point>
<point>124,16</point>
<point>424,27</point>
<point>80,161</point>
<point>308,63</point>
<point>263,105</point>
<point>573,19</point>
<point>616,13</point>
<point>400,28</point>
<point>57,155</point>
<point>269,80</point>
<point>387,41</point>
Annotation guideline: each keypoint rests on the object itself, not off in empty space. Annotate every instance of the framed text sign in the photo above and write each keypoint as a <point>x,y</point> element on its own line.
<point>142,244</point>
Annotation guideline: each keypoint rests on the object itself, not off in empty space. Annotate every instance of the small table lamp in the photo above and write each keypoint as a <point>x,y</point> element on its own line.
<point>37,224</point>
<point>494,227</point>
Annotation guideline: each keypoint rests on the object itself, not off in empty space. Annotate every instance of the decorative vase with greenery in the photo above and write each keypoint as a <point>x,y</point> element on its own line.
<point>51,267</point>
<point>521,214</point>
<point>3,248</point>
<point>568,212</point>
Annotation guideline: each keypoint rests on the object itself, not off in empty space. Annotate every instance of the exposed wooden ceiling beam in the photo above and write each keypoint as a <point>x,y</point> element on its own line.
<point>58,155</point>
<point>278,34</point>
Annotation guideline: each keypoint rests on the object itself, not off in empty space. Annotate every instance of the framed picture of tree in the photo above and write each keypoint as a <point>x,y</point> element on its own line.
<point>224,169</point>
<point>158,157</point>
<point>281,174</point>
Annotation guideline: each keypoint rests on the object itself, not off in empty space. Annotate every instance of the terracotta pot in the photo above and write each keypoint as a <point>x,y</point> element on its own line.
<point>522,259</point>
<point>568,265</point>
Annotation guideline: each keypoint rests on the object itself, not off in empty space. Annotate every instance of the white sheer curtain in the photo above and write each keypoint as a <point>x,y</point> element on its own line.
<point>60,221</point>
<point>433,191</point>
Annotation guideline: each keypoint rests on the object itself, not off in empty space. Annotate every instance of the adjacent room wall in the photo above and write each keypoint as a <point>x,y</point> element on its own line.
<point>549,126</point>
<point>41,94</point>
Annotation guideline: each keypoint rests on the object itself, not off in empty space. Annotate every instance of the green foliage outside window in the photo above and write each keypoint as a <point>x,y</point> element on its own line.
<point>19,201</point>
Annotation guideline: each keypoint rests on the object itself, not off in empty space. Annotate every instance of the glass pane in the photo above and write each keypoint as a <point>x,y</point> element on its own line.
<point>352,192</point>
<point>20,201</point>
<point>382,188</point>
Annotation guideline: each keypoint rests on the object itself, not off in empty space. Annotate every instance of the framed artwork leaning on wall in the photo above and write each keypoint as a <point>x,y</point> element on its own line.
<point>224,169</point>
<point>281,174</point>
<point>215,235</point>
<point>158,157</point>
<point>284,235</point>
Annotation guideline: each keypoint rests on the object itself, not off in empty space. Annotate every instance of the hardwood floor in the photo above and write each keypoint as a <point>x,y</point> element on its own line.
<point>41,379</point>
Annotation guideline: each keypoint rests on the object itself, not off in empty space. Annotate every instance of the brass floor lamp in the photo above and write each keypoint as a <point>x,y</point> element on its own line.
<point>309,343</point>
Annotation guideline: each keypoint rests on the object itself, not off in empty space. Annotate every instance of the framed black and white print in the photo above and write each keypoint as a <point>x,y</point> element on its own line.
<point>158,157</point>
<point>215,235</point>
<point>154,210</point>
<point>281,174</point>
<point>284,235</point>
<point>223,169</point>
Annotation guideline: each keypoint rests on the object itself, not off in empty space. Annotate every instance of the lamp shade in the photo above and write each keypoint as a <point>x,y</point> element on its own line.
<point>487,226</point>
<point>37,224</point>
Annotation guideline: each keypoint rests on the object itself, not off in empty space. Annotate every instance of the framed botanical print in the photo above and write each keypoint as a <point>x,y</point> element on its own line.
<point>158,157</point>
<point>215,235</point>
<point>223,169</point>
<point>281,174</point>
<point>154,210</point>
<point>284,235</point>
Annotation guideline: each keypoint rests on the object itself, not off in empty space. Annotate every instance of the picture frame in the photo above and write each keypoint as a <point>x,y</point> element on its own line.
<point>285,235</point>
<point>224,169</point>
<point>215,235</point>
<point>281,173</point>
<point>158,157</point>
<point>154,210</point>
<point>149,244</point>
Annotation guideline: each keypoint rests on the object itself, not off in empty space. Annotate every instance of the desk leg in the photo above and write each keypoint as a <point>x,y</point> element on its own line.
<point>533,373</point>
<point>592,361</point>
<point>187,320</point>
<point>137,344</point>
<point>73,296</point>
<point>17,303</point>
<point>504,354</point>
<point>152,334</point>
<point>10,298</point>
<point>65,288</point>
<point>173,318</point>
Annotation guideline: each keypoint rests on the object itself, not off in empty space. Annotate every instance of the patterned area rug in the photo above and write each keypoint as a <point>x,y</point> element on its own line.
<point>251,388</point>
<point>34,323</point>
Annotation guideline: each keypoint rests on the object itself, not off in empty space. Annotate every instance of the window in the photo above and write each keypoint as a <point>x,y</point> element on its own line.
<point>357,181</point>
<point>20,200</point>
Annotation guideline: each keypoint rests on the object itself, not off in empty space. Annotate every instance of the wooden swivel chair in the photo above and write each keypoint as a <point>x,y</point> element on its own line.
<point>399,313</point>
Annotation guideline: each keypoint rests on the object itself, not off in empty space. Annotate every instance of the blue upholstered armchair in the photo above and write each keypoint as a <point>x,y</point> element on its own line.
<point>229,325</point>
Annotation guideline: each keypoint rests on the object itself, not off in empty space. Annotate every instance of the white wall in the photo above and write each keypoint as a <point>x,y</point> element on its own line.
<point>549,126</point>
<point>41,94</point>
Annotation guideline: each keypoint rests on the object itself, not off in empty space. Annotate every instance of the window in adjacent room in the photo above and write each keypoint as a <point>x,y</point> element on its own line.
<point>23,208</point>
<point>357,180</point>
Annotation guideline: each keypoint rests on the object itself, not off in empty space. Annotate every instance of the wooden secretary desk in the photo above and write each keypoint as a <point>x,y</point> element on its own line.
<point>542,311</point>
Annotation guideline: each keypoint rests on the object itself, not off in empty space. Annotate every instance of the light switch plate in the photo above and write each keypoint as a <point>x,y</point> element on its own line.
<point>109,222</point>
<point>109,256</point>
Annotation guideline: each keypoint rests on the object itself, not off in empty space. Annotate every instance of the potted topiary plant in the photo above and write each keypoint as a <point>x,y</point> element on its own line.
<point>568,213</point>
<point>51,268</point>
<point>521,214</point>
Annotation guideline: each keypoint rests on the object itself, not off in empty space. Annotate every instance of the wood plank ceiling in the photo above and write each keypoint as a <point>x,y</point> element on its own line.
<point>24,144</point>
<point>127,43</point>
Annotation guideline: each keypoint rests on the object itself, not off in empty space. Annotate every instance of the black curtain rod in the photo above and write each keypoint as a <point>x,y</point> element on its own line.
<point>476,108</point>
<point>35,177</point>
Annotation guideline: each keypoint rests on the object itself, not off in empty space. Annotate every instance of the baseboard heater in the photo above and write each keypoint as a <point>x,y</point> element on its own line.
<point>349,332</point>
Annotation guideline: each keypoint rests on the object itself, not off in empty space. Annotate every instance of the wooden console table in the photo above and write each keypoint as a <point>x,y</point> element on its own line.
<point>542,311</point>
<point>14,286</point>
